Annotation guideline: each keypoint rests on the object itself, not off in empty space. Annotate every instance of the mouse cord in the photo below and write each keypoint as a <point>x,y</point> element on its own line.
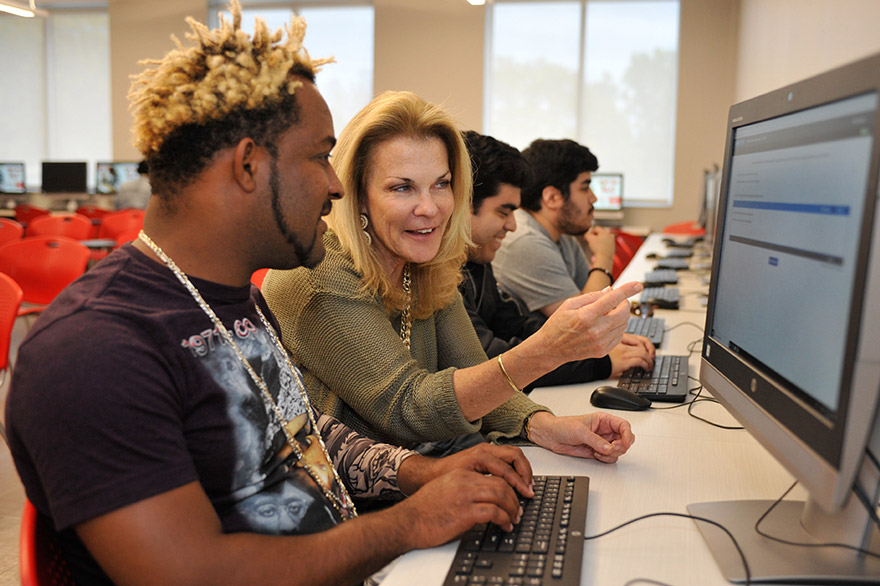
<point>684,323</point>
<point>742,556</point>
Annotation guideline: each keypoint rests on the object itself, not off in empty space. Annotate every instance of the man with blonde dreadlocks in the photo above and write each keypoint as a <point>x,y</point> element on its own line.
<point>171,440</point>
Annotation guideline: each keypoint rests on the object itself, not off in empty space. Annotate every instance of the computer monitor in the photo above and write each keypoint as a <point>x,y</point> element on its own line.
<point>792,336</point>
<point>110,175</point>
<point>608,188</point>
<point>12,178</point>
<point>709,204</point>
<point>64,177</point>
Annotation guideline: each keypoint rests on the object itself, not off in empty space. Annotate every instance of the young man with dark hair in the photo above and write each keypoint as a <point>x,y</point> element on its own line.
<point>170,440</point>
<point>500,172</point>
<point>542,263</point>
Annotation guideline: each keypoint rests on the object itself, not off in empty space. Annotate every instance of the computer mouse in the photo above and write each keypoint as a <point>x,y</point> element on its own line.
<point>608,397</point>
<point>661,303</point>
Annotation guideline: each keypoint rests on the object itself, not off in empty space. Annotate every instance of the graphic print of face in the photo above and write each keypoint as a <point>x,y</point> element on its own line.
<point>278,512</point>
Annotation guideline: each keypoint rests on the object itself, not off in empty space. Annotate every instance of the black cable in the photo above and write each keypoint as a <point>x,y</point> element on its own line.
<point>739,550</point>
<point>691,347</point>
<point>873,458</point>
<point>697,399</point>
<point>684,323</point>
<point>799,544</point>
<point>866,501</point>
<point>678,405</point>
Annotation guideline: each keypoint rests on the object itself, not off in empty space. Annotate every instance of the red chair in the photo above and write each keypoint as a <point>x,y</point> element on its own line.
<point>629,242</point>
<point>10,230</point>
<point>625,247</point>
<point>258,276</point>
<point>95,214</point>
<point>39,558</point>
<point>43,266</point>
<point>123,222</point>
<point>25,212</point>
<point>10,302</point>
<point>685,229</point>
<point>620,263</point>
<point>127,237</point>
<point>73,226</point>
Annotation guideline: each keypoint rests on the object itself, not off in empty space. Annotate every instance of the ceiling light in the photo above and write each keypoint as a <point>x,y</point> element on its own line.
<point>18,10</point>
<point>476,2</point>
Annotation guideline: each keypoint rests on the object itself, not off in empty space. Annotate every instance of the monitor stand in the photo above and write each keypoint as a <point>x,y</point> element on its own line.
<point>776,563</point>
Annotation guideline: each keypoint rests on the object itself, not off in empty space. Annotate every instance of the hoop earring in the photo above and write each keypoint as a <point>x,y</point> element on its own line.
<point>365,221</point>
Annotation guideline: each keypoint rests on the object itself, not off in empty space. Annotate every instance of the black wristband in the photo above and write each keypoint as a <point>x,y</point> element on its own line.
<point>610,276</point>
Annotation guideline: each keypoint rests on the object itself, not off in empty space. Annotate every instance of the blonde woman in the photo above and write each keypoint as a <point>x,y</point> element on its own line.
<point>379,327</point>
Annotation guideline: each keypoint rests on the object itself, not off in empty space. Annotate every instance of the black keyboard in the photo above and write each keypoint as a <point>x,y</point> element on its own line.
<point>667,382</point>
<point>650,327</point>
<point>679,253</point>
<point>545,548</point>
<point>664,297</point>
<point>661,277</point>
<point>678,264</point>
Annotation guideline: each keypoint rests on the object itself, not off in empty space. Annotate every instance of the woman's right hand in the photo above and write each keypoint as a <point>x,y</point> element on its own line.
<point>589,325</point>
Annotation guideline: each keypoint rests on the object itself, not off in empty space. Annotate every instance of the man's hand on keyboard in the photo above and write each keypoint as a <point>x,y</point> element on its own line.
<point>446,507</point>
<point>600,436</point>
<point>507,462</point>
<point>633,351</point>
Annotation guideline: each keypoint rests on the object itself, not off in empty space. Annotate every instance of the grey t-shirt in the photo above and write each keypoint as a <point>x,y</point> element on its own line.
<point>536,270</point>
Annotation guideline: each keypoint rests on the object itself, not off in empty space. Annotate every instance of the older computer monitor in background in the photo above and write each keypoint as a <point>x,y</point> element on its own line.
<point>110,175</point>
<point>792,337</point>
<point>64,177</point>
<point>12,178</point>
<point>608,188</point>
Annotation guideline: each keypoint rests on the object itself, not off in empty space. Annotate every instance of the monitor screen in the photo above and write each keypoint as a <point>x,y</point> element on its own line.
<point>608,188</point>
<point>110,175</point>
<point>64,177</point>
<point>12,178</point>
<point>790,325</point>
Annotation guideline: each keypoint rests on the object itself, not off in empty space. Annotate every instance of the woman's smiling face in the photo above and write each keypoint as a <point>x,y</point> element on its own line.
<point>409,199</point>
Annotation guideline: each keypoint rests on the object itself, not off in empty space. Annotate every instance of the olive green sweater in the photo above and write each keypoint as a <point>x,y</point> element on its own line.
<point>357,369</point>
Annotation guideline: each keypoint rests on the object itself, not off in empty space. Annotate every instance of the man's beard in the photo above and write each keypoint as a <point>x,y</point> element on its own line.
<point>567,222</point>
<point>305,254</point>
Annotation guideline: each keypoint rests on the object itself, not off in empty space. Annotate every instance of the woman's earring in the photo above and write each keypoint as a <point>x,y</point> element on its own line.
<point>365,221</point>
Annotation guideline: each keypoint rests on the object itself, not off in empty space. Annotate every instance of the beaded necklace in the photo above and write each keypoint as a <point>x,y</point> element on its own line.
<point>405,322</point>
<point>343,505</point>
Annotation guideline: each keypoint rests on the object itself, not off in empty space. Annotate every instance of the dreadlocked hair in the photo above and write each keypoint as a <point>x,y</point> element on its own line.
<point>200,99</point>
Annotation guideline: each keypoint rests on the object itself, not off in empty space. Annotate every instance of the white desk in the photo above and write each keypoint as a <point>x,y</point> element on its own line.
<point>676,460</point>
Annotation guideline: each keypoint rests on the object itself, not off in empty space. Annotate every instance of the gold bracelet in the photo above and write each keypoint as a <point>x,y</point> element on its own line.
<point>526,429</point>
<point>507,376</point>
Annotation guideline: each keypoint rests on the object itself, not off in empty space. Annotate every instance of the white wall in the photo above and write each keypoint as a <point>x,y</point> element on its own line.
<point>783,41</point>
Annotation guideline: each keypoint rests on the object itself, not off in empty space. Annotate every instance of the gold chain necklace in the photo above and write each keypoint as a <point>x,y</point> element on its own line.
<point>405,322</point>
<point>344,505</point>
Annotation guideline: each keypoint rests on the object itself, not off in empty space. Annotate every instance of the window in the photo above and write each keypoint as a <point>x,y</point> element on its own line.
<point>55,103</point>
<point>601,72</point>
<point>344,32</point>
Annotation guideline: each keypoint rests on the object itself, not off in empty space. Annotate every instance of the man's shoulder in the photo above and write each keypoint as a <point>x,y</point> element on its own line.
<point>528,234</point>
<point>571,246</point>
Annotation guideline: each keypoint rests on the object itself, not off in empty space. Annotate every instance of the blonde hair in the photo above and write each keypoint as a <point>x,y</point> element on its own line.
<point>391,115</point>
<point>200,99</point>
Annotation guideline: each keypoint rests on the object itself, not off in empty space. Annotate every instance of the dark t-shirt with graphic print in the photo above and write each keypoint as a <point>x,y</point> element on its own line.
<point>124,389</point>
